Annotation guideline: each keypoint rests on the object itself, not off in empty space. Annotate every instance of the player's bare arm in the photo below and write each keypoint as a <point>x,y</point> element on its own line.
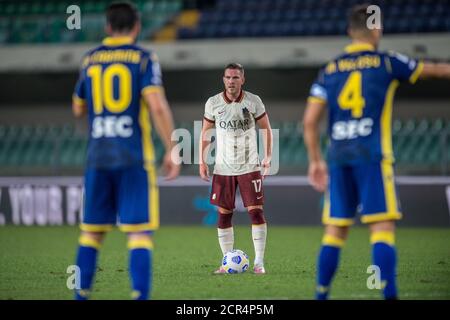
<point>204,144</point>
<point>435,70</point>
<point>264,124</point>
<point>163,121</point>
<point>79,107</point>
<point>317,169</point>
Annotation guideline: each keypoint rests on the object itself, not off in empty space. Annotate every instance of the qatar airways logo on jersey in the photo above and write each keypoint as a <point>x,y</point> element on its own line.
<point>352,129</point>
<point>235,125</point>
<point>187,145</point>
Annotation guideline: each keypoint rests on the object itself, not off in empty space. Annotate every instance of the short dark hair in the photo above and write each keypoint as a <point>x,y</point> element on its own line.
<point>357,19</point>
<point>122,16</point>
<point>235,66</point>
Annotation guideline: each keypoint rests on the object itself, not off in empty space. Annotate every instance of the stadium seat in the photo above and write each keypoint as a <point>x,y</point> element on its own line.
<point>263,18</point>
<point>316,18</point>
<point>44,21</point>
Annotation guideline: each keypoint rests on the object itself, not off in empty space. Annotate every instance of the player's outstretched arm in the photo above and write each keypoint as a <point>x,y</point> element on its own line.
<point>317,169</point>
<point>264,124</point>
<point>163,121</point>
<point>204,144</point>
<point>435,70</point>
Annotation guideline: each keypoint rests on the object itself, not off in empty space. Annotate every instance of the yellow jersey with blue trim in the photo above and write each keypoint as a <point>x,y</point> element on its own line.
<point>358,88</point>
<point>113,78</point>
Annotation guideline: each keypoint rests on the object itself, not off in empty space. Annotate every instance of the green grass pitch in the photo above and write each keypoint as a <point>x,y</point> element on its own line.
<point>34,261</point>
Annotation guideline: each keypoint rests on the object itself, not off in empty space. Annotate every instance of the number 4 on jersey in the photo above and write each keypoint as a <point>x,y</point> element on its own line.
<point>351,97</point>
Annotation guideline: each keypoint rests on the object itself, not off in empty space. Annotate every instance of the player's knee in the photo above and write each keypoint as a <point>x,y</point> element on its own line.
<point>382,226</point>
<point>333,240</point>
<point>224,210</point>
<point>224,220</point>
<point>383,236</point>
<point>257,216</point>
<point>140,240</point>
<point>383,231</point>
<point>337,231</point>
<point>335,236</point>
<point>91,239</point>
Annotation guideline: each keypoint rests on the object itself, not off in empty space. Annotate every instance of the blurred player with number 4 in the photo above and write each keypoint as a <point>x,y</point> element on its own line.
<point>357,88</point>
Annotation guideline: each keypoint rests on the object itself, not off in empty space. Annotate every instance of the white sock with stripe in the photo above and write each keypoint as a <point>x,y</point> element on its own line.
<point>259,235</point>
<point>226,239</point>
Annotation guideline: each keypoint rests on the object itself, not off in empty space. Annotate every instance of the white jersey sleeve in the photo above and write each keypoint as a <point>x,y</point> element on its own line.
<point>260,109</point>
<point>209,115</point>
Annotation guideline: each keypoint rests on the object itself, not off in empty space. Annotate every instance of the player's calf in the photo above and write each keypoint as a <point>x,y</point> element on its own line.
<point>225,233</point>
<point>256,215</point>
<point>225,219</point>
<point>328,260</point>
<point>89,245</point>
<point>141,247</point>
<point>384,255</point>
<point>259,235</point>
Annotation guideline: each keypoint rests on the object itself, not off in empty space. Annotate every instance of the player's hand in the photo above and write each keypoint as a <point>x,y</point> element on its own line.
<point>171,166</point>
<point>318,175</point>
<point>265,164</point>
<point>203,171</point>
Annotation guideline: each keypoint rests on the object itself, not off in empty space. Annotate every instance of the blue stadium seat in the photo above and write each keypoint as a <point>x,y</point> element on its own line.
<point>262,16</point>
<point>241,30</point>
<point>232,16</point>
<point>256,29</point>
<point>299,28</point>
<point>248,16</point>
<point>286,29</point>
<point>271,29</point>
<point>34,21</point>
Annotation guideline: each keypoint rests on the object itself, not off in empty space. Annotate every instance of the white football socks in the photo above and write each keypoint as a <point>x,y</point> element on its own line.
<point>259,235</point>
<point>226,239</point>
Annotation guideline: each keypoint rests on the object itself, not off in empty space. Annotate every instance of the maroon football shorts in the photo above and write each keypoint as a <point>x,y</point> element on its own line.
<point>224,188</point>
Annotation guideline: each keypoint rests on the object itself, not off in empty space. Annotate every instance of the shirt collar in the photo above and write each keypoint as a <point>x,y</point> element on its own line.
<point>238,99</point>
<point>358,47</point>
<point>117,41</point>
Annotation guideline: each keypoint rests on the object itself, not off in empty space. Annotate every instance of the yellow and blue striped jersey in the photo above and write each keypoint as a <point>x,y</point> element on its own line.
<point>358,88</point>
<point>112,79</point>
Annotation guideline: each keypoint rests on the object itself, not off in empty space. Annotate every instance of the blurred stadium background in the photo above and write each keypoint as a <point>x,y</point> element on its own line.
<point>282,44</point>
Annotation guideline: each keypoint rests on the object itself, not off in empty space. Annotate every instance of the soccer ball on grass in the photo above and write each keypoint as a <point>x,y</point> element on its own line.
<point>235,261</point>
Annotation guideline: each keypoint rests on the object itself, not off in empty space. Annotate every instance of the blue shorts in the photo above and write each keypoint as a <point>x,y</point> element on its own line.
<point>367,188</point>
<point>130,193</point>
